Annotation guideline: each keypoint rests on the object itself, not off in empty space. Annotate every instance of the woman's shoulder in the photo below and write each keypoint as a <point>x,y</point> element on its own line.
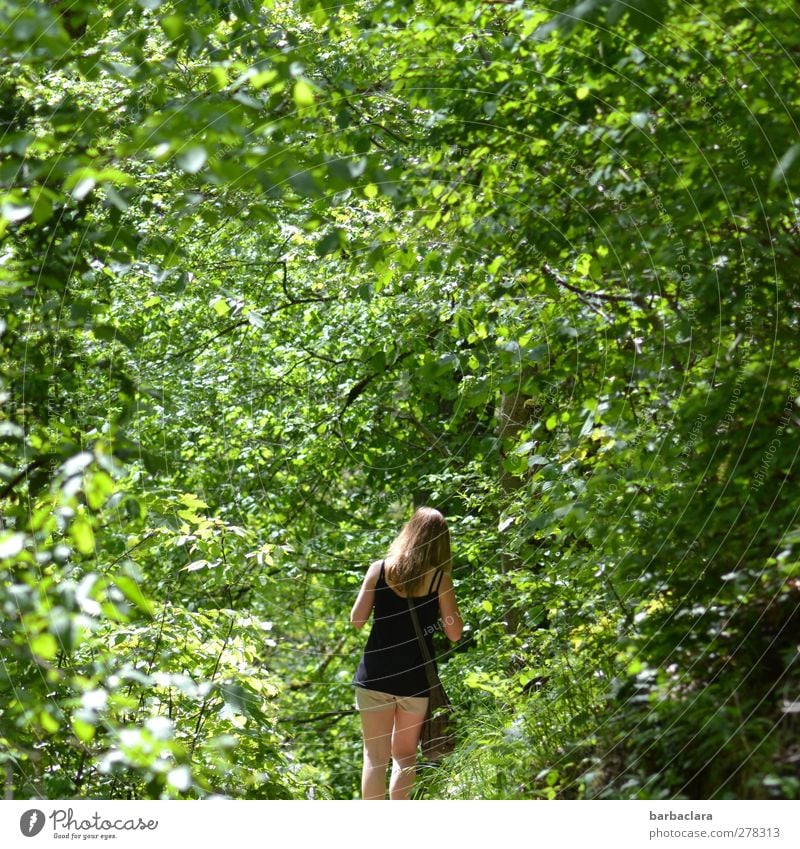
<point>373,575</point>
<point>374,569</point>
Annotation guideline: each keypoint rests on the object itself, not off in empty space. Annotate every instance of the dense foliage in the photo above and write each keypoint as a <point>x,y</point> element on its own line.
<point>273,273</point>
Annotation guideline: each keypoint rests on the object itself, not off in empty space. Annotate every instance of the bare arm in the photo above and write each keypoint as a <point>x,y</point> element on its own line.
<point>448,608</point>
<point>362,609</point>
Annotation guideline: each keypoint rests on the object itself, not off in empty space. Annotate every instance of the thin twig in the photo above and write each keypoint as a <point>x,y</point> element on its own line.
<point>554,275</point>
<point>296,720</point>
<point>20,476</point>
<point>201,715</point>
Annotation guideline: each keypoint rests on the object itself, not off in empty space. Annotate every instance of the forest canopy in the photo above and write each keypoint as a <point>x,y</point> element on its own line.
<point>275,273</point>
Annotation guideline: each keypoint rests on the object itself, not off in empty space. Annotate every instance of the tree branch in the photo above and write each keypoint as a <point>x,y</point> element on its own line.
<point>323,665</point>
<point>365,381</point>
<point>554,275</point>
<point>296,720</point>
<point>203,707</point>
<point>20,476</point>
<point>434,441</point>
<point>199,350</point>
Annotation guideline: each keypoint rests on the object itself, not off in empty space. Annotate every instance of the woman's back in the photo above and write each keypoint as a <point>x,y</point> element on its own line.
<point>391,685</point>
<point>392,660</point>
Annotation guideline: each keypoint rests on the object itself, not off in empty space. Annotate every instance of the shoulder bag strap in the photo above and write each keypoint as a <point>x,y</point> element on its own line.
<point>430,672</point>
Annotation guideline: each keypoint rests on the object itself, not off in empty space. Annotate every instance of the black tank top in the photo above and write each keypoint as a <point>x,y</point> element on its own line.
<point>392,660</point>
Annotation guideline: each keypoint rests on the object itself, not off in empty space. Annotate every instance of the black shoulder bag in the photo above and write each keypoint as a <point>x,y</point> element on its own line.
<point>438,737</point>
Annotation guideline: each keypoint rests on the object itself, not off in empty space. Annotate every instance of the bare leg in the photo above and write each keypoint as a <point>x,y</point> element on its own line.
<point>405,740</point>
<point>376,726</point>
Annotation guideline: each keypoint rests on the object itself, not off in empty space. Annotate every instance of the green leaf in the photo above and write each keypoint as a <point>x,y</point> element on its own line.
<point>133,593</point>
<point>45,646</point>
<point>174,26</point>
<point>220,306</point>
<point>83,730</point>
<point>48,722</point>
<point>582,264</point>
<point>329,243</point>
<point>115,197</point>
<point>42,209</point>
<point>263,78</point>
<point>82,534</point>
<point>98,489</point>
<point>303,93</point>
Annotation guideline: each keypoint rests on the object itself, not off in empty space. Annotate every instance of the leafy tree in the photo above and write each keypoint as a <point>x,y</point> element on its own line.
<point>274,273</point>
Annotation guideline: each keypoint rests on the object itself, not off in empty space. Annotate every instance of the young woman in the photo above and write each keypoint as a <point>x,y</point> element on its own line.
<point>391,687</point>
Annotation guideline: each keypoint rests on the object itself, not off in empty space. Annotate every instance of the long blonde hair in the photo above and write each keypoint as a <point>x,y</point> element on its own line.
<point>422,545</point>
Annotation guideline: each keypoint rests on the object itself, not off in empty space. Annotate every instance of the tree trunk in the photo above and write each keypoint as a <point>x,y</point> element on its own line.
<point>513,416</point>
